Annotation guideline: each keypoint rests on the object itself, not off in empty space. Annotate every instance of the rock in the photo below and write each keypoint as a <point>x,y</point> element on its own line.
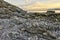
<point>51,35</point>
<point>12,36</point>
<point>58,38</point>
<point>33,38</point>
<point>23,29</point>
<point>1,28</point>
<point>44,33</point>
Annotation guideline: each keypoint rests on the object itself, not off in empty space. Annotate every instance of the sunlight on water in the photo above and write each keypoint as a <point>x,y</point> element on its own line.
<point>37,11</point>
<point>57,11</point>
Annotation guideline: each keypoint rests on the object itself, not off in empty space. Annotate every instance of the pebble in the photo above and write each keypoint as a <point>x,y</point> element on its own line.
<point>44,33</point>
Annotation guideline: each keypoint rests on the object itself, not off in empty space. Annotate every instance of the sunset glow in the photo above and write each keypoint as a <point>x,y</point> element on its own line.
<point>36,4</point>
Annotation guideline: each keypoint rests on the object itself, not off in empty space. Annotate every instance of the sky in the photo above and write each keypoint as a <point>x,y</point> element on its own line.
<point>35,4</point>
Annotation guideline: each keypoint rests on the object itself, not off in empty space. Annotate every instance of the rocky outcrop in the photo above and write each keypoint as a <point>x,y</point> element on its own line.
<point>6,7</point>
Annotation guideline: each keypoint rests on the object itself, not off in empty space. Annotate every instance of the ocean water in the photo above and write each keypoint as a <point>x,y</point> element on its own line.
<point>56,11</point>
<point>37,11</point>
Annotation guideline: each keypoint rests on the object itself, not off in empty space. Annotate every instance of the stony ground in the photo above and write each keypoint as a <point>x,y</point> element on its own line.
<point>16,24</point>
<point>23,26</point>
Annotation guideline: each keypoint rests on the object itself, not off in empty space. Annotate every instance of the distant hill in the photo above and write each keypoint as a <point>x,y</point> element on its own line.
<point>54,9</point>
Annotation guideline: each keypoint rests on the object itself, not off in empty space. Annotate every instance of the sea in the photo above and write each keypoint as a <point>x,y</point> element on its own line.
<point>56,11</point>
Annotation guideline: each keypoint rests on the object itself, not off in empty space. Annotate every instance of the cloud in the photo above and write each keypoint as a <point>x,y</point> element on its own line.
<point>35,4</point>
<point>38,6</point>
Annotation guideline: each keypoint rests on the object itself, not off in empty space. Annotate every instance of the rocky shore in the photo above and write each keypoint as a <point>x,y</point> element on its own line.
<point>17,24</point>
